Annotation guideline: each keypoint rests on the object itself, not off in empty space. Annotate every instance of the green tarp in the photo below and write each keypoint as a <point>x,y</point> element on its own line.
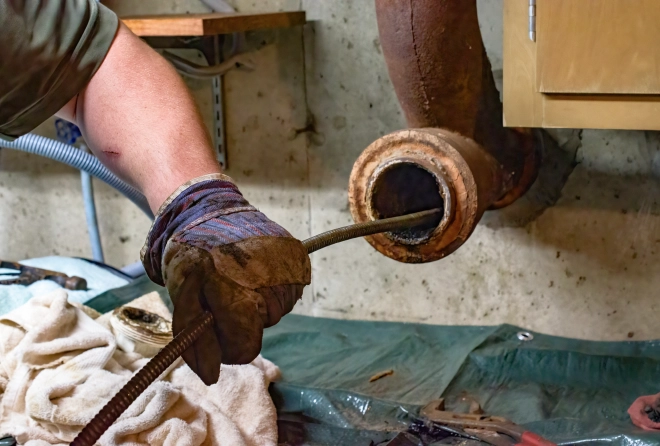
<point>568,390</point>
<point>565,389</point>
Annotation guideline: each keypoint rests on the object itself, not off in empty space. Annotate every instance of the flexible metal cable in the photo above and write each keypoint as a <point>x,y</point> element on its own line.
<point>369,228</point>
<point>166,357</point>
<point>141,380</point>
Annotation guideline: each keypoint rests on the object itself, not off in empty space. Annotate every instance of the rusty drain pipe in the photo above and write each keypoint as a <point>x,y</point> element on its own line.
<point>456,154</point>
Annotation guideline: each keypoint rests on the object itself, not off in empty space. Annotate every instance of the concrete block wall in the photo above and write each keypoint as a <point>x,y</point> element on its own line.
<point>585,268</point>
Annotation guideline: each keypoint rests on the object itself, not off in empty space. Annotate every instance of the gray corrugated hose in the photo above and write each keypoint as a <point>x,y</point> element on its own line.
<point>90,213</point>
<point>74,157</point>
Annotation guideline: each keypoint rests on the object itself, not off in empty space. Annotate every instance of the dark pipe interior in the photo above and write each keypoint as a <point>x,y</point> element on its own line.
<point>136,314</point>
<point>405,188</point>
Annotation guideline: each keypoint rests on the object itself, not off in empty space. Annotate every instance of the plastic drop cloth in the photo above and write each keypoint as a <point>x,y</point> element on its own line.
<point>98,280</point>
<point>568,390</point>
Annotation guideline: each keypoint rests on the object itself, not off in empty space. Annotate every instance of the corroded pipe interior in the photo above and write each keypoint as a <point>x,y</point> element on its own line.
<point>417,169</point>
<point>403,188</point>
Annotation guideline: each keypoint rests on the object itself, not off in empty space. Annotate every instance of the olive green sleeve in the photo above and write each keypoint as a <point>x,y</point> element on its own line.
<point>49,50</point>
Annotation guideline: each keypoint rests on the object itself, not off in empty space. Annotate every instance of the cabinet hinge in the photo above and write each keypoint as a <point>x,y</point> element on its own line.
<point>532,20</point>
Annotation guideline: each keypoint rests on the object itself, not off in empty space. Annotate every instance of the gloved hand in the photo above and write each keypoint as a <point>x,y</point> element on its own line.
<point>645,412</point>
<point>214,251</point>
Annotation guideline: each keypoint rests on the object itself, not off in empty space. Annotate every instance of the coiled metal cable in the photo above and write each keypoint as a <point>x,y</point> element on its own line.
<point>166,357</point>
<point>369,228</point>
<point>141,380</point>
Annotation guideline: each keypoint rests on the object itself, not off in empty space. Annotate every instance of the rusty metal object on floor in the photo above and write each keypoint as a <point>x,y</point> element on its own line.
<point>496,431</point>
<point>443,80</point>
<point>140,331</point>
<point>26,275</point>
<point>403,439</point>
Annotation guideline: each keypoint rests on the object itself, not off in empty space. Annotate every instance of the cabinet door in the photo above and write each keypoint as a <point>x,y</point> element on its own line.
<point>594,64</point>
<point>598,46</point>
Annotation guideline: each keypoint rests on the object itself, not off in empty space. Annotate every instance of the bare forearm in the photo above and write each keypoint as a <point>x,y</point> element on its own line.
<point>139,118</point>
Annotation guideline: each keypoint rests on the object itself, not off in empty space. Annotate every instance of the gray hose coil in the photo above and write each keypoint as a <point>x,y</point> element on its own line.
<point>74,157</point>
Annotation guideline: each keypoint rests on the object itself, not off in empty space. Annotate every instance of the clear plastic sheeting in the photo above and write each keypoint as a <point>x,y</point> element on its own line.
<point>117,297</point>
<point>567,390</point>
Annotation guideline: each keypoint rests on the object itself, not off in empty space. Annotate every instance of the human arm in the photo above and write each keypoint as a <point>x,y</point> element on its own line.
<point>140,120</point>
<point>208,245</point>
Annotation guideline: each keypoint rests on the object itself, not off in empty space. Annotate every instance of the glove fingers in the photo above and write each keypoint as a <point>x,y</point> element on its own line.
<point>204,356</point>
<point>260,262</point>
<point>279,301</point>
<point>238,322</point>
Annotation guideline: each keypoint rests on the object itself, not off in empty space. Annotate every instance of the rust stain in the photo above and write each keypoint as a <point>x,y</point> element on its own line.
<point>467,177</point>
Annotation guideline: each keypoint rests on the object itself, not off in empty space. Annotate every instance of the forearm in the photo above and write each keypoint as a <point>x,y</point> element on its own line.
<point>139,118</point>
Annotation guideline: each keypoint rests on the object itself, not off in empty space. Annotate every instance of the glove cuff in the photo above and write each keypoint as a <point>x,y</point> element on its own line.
<point>186,185</point>
<point>193,202</point>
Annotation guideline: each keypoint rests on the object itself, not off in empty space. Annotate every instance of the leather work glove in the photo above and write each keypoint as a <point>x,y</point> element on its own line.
<point>214,251</point>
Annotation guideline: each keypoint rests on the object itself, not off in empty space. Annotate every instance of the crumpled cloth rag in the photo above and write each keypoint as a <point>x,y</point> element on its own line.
<point>58,367</point>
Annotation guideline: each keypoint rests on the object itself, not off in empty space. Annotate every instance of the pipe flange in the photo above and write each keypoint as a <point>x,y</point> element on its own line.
<point>427,168</point>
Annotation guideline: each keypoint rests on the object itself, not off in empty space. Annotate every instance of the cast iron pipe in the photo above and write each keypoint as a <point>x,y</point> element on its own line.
<point>443,80</point>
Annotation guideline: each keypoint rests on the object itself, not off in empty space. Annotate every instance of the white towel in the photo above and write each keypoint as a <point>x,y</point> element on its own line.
<point>58,367</point>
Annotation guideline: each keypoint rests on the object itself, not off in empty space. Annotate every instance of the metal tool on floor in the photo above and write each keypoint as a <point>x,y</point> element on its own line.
<point>159,363</point>
<point>496,431</point>
<point>26,275</point>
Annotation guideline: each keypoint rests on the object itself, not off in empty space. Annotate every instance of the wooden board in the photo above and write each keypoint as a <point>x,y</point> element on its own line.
<point>525,106</point>
<point>210,24</point>
<point>598,46</point>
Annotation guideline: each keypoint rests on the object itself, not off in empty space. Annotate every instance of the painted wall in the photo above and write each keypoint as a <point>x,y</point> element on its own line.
<point>585,268</point>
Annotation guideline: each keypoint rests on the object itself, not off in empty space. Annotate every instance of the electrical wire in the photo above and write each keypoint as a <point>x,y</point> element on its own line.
<point>197,71</point>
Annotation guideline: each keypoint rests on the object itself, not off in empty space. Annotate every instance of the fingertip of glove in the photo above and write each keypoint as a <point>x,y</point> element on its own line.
<point>209,380</point>
<point>208,371</point>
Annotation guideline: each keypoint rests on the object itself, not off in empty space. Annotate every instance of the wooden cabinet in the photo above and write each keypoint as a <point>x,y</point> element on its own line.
<point>594,64</point>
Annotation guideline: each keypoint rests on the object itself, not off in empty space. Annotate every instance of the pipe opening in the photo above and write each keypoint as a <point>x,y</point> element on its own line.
<point>404,188</point>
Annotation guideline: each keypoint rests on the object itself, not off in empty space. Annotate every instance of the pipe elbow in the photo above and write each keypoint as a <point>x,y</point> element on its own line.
<point>443,80</point>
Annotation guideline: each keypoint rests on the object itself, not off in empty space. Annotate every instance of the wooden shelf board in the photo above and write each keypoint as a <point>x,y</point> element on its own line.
<point>210,24</point>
